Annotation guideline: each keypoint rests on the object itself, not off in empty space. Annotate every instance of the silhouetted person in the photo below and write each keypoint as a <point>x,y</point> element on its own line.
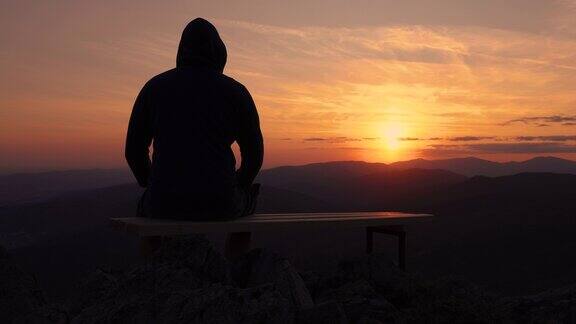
<point>193,114</point>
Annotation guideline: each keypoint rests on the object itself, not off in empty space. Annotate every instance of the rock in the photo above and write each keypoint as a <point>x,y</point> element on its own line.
<point>259,267</point>
<point>454,300</point>
<point>196,254</point>
<point>186,282</point>
<point>233,305</point>
<point>21,300</point>
<point>322,313</point>
<point>552,306</point>
<point>375,268</point>
<point>46,315</point>
<point>170,271</point>
<point>313,281</point>
<point>397,286</point>
<point>361,302</point>
<point>98,286</point>
<point>212,304</point>
<point>449,300</point>
<point>366,320</point>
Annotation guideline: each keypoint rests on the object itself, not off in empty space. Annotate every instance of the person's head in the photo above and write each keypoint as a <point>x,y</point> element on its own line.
<point>201,45</point>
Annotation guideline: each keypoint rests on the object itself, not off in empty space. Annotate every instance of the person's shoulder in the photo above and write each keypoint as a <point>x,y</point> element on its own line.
<point>233,83</point>
<point>160,78</point>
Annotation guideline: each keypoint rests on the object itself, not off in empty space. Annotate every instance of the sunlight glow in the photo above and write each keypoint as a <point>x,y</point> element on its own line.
<point>392,134</point>
<point>390,147</point>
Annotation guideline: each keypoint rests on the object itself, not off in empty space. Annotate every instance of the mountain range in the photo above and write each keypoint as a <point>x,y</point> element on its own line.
<point>513,233</point>
<point>471,166</point>
<point>30,187</point>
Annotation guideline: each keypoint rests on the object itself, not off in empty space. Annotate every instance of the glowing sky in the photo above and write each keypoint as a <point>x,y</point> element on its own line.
<point>333,80</point>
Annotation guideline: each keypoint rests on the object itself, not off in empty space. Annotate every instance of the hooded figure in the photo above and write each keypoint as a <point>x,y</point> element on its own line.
<point>193,114</point>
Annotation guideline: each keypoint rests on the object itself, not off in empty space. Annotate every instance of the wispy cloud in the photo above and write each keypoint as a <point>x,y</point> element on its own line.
<point>553,138</point>
<point>501,148</point>
<point>524,138</point>
<point>544,120</point>
<point>335,139</point>
<point>450,139</point>
<point>469,138</point>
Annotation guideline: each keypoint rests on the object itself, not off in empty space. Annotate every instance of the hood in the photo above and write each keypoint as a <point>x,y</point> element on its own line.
<point>201,45</point>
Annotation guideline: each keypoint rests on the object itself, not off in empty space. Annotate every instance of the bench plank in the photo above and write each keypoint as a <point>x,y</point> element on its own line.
<point>165,227</point>
<point>330,215</point>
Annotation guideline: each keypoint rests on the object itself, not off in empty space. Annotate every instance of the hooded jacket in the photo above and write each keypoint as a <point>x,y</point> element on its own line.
<point>192,115</point>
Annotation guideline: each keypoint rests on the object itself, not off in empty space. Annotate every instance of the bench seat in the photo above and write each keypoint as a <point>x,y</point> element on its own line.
<point>238,241</point>
<point>259,222</point>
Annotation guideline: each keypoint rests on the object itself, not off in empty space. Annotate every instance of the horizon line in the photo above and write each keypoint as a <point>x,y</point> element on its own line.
<point>39,171</point>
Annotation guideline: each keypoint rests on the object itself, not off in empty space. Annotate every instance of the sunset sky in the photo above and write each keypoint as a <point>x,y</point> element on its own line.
<point>333,80</point>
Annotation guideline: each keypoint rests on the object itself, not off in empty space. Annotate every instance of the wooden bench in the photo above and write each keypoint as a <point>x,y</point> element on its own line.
<point>238,241</point>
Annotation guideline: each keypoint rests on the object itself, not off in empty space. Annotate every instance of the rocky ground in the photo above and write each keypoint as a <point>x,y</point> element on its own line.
<point>188,281</point>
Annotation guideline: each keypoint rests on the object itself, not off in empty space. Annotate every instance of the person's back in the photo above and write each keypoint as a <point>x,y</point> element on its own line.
<point>193,114</point>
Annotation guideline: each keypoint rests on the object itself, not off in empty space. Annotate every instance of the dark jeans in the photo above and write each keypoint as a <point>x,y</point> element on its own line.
<point>242,204</point>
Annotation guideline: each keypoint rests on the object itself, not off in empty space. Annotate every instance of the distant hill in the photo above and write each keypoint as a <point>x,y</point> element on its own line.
<point>511,233</point>
<point>471,166</point>
<point>515,234</point>
<point>522,184</point>
<point>29,187</point>
<point>358,185</point>
<point>70,212</point>
<point>290,176</point>
<point>318,172</point>
<point>35,187</point>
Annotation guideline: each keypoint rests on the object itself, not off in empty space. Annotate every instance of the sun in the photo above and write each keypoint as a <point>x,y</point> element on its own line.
<point>391,137</point>
<point>389,146</point>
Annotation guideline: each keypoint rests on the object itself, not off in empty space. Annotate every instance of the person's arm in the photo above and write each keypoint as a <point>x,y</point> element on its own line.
<point>139,138</point>
<point>249,139</point>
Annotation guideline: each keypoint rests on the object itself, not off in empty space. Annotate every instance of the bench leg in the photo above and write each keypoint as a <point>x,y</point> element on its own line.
<point>402,250</point>
<point>397,231</point>
<point>149,245</point>
<point>237,244</point>
<point>369,240</point>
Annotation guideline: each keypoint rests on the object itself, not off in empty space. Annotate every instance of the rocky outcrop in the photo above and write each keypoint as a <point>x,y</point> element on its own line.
<point>215,303</point>
<point>397,285</point>
<point>21,300</point>
<point>553,306</point>
<point>371,289</point>
<point>361,302</point>
<point>187,281</point>
<point>195,254</point>
<point>453,300</point>
<point>322,313</point>
<point>259,267</point>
